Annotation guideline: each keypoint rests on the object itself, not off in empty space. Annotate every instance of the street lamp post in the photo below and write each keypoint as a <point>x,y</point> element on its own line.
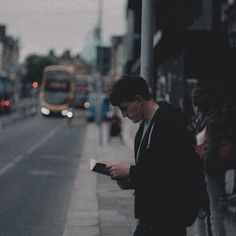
<point>147,32</point>
<point>99,78</point>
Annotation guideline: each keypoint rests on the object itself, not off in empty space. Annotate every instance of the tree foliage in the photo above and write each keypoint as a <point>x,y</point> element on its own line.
<point>34,65</point>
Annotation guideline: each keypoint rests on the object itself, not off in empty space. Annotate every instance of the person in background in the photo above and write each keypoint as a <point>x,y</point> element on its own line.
<point>207,122</point>
<point>115,129</point>
<point>160,178</point>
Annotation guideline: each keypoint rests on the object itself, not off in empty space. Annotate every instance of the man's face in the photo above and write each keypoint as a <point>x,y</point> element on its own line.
<point>133,110</point>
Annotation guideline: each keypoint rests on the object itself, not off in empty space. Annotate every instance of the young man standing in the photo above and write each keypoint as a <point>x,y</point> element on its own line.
<point>164,203</point>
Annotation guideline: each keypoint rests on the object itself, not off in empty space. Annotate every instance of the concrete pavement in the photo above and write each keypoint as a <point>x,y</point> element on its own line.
<point>98,207</point>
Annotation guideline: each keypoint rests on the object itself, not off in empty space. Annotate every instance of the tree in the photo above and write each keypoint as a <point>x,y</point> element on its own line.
<point>34,65</point>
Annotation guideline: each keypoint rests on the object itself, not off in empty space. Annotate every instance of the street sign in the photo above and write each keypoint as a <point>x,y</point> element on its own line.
<point>103,59</point>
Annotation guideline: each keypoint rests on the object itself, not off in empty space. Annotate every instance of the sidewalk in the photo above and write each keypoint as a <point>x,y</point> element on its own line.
<point>98,206</point>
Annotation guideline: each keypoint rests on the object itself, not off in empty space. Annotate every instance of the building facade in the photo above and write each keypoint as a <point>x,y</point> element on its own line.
<point>192,48</point>
<point>9,53</point>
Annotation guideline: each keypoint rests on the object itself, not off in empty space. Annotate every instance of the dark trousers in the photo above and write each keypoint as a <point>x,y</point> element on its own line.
<point>151,228</point>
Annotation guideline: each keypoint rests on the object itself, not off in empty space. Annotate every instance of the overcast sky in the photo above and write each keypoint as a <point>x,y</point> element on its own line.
<point>59,24</point>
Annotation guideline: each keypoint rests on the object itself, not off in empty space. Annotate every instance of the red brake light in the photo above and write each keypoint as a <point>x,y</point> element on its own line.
<point>5,103</point>
<point>35,84</point>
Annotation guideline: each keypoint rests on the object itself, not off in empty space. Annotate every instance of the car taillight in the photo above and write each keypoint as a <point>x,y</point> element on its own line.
<point>5,103</point>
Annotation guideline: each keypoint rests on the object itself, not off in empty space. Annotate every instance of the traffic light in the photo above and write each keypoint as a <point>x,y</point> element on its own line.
<point>35,85</point>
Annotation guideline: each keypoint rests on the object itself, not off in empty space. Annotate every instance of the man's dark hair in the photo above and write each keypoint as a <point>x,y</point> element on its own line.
<point>127,88</point>
<point>201,99</point>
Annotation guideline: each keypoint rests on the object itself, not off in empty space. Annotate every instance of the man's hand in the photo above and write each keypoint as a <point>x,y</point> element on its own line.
<point>118,171</point>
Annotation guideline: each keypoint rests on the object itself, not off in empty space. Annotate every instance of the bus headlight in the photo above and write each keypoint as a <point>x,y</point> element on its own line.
<point>69,114</point>
<point>45,111</point>
<point>86,105</point>
<point>64,112</point>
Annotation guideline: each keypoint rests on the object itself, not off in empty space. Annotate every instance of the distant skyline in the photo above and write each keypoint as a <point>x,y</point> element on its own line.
<point>60,24</point>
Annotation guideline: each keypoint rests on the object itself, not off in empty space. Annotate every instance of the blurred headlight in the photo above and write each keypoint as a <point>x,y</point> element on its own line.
<point>45,111</point>
<point>64,112</point>
<point>86,105</point>
<point>69,114</point>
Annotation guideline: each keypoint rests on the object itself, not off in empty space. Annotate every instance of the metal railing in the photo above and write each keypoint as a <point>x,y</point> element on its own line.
<point>23,110</point>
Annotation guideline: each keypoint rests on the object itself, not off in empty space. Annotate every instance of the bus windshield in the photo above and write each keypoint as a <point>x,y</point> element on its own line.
<point>57,90</point>
<point>56,98</point>
<point>58,75</point>
<point>57,85</point>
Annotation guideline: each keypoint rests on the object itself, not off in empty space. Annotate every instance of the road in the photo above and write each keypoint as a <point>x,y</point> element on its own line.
<point>39,160</point>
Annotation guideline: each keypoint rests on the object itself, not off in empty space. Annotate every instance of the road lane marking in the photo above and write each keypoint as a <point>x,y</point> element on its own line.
<point>11,164</point>
<point>21,157</point>
<point>44,140</point>
<point>42,172</point>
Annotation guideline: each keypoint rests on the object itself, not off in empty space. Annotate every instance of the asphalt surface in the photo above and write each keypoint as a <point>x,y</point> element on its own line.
<point>39,160</point>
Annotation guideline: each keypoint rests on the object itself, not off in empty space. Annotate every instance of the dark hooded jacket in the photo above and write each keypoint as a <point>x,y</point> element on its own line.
<point>166,170</point>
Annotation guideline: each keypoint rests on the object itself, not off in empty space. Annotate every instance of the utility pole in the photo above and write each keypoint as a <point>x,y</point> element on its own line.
<point>100,14</point>
<point>99,78</point>
<point>147,32</point>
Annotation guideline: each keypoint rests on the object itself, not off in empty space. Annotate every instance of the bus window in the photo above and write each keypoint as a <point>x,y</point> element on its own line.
<point>57,86</point>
